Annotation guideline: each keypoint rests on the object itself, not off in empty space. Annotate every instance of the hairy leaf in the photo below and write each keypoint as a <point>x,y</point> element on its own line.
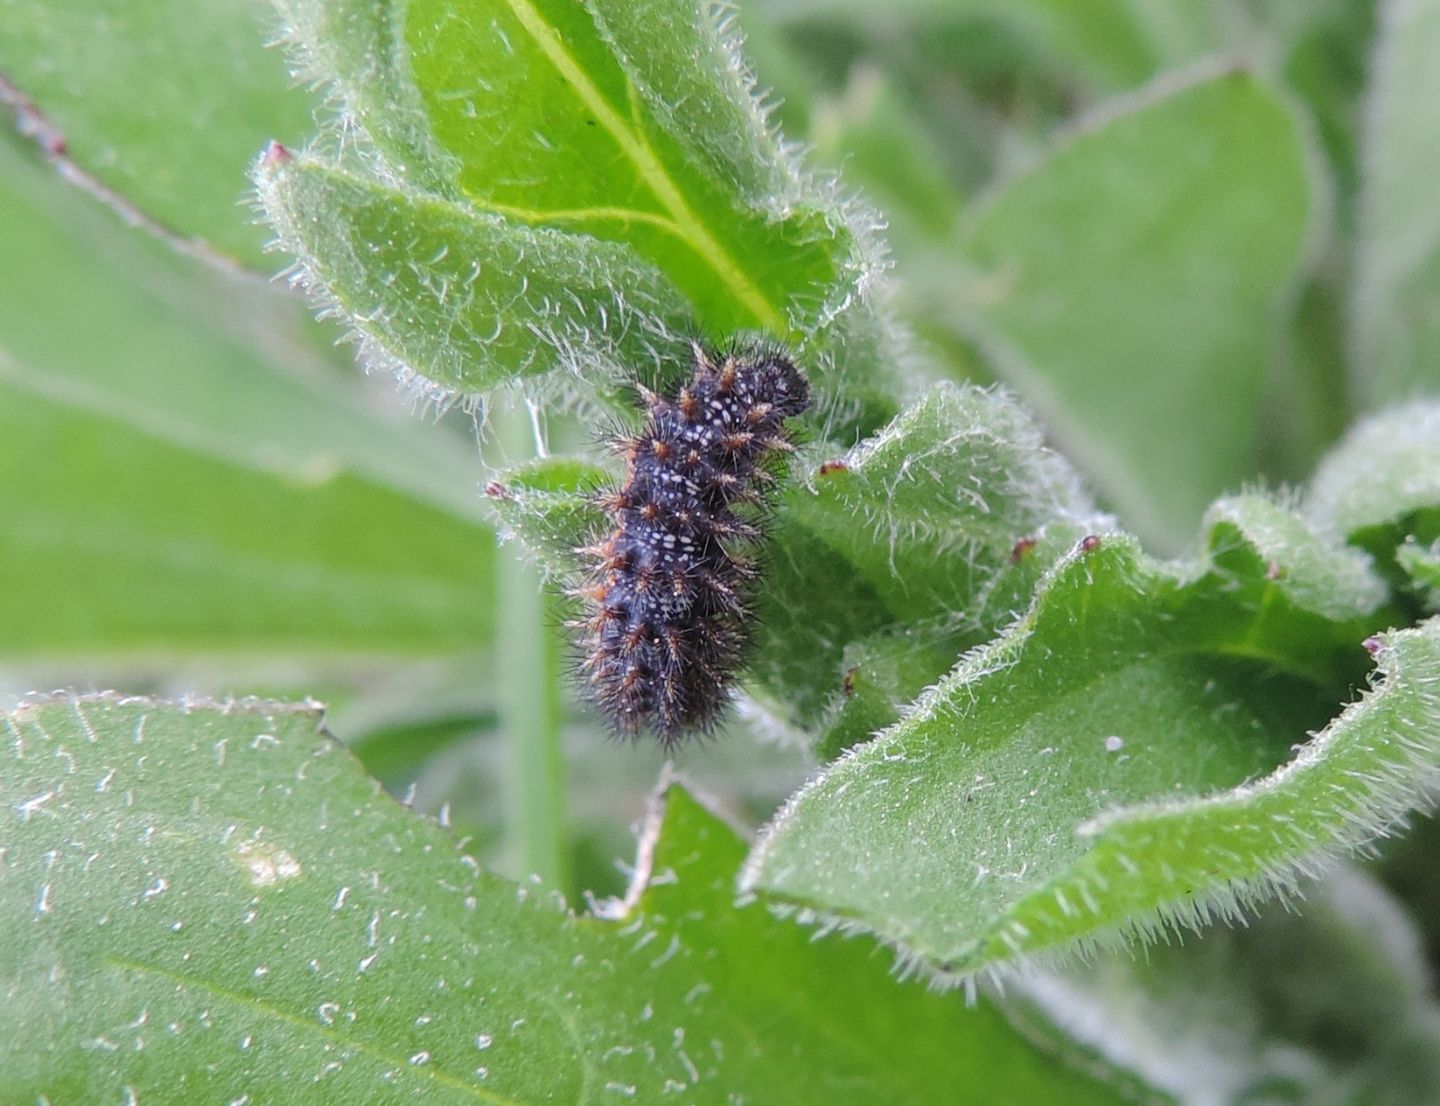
<point>1324,1002</point>
<point>1380,490</point>
<point>208,903</point>
<point>1386,471</point>
<point>1109,764</point>
<point>1422,564</point>
<point>620,139</point>
<point>931,534</point>
<point>473,298</point>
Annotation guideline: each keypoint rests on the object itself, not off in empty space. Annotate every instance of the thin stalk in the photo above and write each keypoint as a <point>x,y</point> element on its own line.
<point>529,694</point>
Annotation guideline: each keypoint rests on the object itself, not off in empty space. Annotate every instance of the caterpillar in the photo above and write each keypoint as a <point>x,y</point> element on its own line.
<point>668,589</point>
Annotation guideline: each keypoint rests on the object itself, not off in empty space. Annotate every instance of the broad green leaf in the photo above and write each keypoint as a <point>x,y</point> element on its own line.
<point>163,102</point>
<point>1325,1002</point>
<point>644,133</point>
<point>1395,320</point>
<point>931,533</point>
<point>1178,32</point>
<point>1130,284</point>
<point>470,299</point>
<point>1117,760</point>
<point>104,319</point>
<point>622,139</point>
<point>120,544</point>
<point>431,733</point>
<point>929,510</point>
<point>207,903</point>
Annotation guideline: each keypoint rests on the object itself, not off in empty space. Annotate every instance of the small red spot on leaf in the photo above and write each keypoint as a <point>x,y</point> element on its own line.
<point>1021,549</point>
<point>1090,543</point>
<point>827,467</point>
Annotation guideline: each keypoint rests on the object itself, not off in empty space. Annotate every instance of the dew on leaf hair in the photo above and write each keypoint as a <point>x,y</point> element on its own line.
<point>669,585</point>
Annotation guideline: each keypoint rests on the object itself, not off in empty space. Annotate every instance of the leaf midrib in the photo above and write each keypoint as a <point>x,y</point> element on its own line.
<point>435,1075</point>
<point>649,167</point>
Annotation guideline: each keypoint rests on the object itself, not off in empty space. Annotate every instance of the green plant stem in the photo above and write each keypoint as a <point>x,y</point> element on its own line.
<point>528,693</point>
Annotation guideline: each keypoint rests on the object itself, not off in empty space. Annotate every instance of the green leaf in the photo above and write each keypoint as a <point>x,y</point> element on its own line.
<point>207,903</point>
<point>120,544</point>
<point>1386,470</point>
<point>1109,764</point>
<point>928,536</point>
<point>1131,282</point>
<point>473,299</point>
<point>162,102</point>
<point>1326,1001</point>
<point>544,504</point>
<point>1328,48</point>
<point>929,510</point>
<point>1394,315</point>
<point>604,143</point>
<point>1422,564</point>
<point>1380,489</point>
<point>208,361</point>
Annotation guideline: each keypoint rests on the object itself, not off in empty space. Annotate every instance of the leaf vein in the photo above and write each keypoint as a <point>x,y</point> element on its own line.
<point>402,1063</point>
<point>647,163</point>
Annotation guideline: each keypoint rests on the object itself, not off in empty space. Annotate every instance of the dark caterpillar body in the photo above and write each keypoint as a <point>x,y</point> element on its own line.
<point>670,584</point>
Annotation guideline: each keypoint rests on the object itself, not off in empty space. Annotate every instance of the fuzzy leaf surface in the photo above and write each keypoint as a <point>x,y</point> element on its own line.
<point>211,903</point>
<point>1395,317</point>
<point>930,534</point>
<point>163,101</point>
<point>1326,1001</point>
<point>472,298</point>
<point>1384,475</point>
<point>626,130</point>
<point>1380,489</point>
<point>1122,757</point>
<point>1131,284</point>
<point>1421,563</point>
